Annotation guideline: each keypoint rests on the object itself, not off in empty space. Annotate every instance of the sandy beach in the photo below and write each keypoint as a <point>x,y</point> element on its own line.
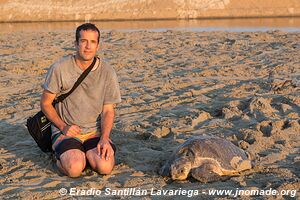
<point>244,87</point>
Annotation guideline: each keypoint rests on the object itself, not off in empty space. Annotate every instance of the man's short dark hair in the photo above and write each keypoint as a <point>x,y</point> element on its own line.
<point>85,27</point>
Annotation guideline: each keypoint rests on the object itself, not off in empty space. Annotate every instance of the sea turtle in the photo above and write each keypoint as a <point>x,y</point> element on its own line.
<point>208,158</point>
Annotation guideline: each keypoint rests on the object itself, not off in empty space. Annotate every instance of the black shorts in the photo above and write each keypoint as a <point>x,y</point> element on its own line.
<point>72,143</point>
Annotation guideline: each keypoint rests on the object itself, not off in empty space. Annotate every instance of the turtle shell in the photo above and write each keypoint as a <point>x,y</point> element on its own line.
<point>209,147</point>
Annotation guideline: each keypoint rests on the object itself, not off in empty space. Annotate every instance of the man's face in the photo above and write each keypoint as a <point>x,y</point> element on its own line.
<point>87,45</point>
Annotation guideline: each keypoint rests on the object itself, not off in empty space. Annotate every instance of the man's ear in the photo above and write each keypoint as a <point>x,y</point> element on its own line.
<point>75,44</point>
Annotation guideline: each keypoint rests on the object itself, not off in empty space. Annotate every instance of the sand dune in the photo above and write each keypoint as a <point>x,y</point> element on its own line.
<point>176,84</point>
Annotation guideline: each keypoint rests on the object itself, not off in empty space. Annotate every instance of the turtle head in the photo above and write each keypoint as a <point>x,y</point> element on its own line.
<point>180,168</point>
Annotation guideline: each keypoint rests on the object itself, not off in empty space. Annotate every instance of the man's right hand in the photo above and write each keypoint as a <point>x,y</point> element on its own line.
<point>71,131</point>
<point>47,107</point>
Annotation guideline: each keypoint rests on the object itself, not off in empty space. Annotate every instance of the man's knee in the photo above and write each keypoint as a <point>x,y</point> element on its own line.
<point>75,169</point>
<point>104,169</point>
<point>73,163</point>
<point>99,164</point>
<point>105,166</point>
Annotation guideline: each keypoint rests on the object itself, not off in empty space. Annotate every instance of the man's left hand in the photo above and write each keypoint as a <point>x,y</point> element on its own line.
<point>104,149</point>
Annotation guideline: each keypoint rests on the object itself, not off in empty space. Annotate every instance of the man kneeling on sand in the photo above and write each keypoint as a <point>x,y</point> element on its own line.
<point>82,123</point>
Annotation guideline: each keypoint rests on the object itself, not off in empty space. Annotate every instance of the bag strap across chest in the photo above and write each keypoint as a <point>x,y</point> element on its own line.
<point>77,83</point>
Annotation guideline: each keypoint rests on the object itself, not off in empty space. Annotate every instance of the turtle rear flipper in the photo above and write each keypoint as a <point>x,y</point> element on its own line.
<point>244,165</point>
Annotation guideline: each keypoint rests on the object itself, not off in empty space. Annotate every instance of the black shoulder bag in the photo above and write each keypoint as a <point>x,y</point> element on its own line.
<point>39,126</point>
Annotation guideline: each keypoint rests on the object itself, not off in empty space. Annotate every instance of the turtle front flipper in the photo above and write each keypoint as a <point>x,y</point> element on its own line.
<point>205,174</point>
<point>165,170</point>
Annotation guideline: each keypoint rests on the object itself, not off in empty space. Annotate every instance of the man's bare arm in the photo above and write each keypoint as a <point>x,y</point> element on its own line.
<point>107,120</point>
<point>50,112</point>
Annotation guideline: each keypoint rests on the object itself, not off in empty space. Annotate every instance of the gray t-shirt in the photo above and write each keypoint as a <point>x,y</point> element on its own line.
<point>85,104</point>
